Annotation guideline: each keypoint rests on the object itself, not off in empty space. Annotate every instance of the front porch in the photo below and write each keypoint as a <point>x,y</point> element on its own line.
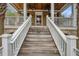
<point>58,39</point>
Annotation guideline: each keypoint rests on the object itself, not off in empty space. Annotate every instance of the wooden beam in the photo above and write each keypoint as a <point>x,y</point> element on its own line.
<point>65,6</point>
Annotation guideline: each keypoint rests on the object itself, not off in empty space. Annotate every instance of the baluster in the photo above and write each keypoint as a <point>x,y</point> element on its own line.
<point>15,45</point>
<point>6,44</point>
<point>71,45</point>
<point>14,48</point>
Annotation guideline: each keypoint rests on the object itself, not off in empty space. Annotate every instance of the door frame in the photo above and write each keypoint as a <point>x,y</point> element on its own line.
<point>40,13</point>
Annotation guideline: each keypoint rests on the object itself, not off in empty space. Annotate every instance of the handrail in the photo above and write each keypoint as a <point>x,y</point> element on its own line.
<point>76,51</point>
<point>18,31</point>
<point>57,35</point>
<point>21,31</point>
<point>58,30</point>
<point>64,43</point>
<point>12,43</point>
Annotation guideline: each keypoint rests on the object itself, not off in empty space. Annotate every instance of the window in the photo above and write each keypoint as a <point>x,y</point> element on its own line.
<point>10,10</point>
<point>67,12</point>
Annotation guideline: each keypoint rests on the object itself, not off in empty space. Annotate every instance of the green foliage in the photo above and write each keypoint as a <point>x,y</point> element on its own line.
<point>2,7</point>
<point>10,14</point>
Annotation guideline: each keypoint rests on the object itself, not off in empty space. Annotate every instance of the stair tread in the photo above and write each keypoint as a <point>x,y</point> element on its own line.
<point>37,54</point>
<point>39,36</point>
<point>32,45</point>
<point>40,52</point>
<point>39,48</point>
<point>39,33</point>
<point>38,42</point>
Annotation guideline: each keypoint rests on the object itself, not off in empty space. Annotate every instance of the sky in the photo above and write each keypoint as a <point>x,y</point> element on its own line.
<point>67,12</point>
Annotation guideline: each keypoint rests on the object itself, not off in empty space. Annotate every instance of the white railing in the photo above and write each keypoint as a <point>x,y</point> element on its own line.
<point>12,43</point>
<point>76,51</point>
<point>0,51</point>
<point>65,44</point>
<point>63,22</point>
<point>14,21</point>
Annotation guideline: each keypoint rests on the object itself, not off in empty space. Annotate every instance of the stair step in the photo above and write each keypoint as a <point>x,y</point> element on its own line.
<point>39,33</point>
<point>37,54</point>
<point>33,42</point>
<point>39,45</point>
<point>39,36</point>
<point>38,42</point>
<point>39,28</point>
<point>39,50</point>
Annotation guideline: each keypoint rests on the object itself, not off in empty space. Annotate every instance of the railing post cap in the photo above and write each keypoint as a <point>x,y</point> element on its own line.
<point>71,37</point>
<point>6,35</point>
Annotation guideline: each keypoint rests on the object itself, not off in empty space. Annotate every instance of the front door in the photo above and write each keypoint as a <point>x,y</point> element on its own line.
<point>38,18</point>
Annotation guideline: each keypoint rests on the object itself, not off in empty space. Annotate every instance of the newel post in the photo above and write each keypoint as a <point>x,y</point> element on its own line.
<point>5,44</point>
<point>71,45</point>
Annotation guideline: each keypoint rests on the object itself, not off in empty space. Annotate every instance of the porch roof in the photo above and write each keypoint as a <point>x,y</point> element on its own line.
<point>38,6</point>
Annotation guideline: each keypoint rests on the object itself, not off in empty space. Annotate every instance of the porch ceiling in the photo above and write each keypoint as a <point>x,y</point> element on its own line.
<point>38,6</point>
<point>17,6</point>
<point>58,6</point>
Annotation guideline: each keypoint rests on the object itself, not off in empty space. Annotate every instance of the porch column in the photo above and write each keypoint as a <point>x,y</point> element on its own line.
<point>25,11</point>
<point>74,15</point>
<point>52,11</point>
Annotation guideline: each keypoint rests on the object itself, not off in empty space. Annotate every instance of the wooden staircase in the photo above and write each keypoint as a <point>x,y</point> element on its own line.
<point>38,42</point>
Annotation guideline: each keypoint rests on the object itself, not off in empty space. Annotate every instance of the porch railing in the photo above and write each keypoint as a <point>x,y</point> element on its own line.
<point>13,21</point>
<point>65,44</point>
<point>63,22</point>
<point>11,43</point>
<point>0,51</point>
<point>76,51</point>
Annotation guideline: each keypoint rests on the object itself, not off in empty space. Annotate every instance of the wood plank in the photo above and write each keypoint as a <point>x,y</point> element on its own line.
<point>38,45</point>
